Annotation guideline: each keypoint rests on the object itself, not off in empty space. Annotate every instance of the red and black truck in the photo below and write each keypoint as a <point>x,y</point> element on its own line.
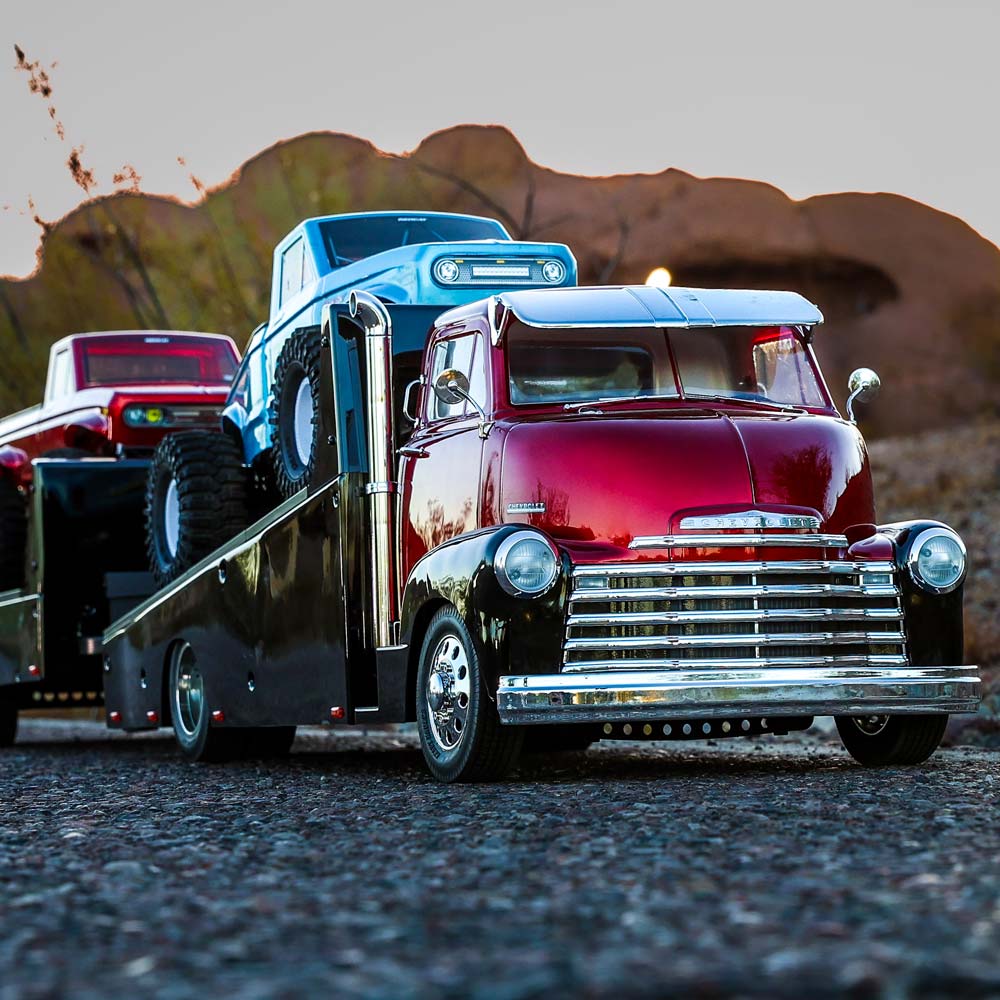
<point>551,517</point>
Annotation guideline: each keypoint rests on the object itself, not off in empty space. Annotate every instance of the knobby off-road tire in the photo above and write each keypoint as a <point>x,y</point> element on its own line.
<point>196,500</point>
<point>294,412</point>
<point>13,535</point>
<point>460,732</point>
<point>877,741</point>
<point>8,723</point>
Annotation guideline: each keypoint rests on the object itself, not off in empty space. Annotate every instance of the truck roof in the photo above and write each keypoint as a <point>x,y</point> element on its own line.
<point>643,306</point>
<point>137,333</point>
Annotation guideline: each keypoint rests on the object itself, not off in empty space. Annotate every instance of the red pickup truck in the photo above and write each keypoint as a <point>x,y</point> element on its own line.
<point>112,394</point>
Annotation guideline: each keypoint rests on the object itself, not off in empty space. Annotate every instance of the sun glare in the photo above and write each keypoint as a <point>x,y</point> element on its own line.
<point>660,277</point>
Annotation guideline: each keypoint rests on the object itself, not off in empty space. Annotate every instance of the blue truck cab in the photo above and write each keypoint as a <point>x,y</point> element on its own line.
<point>417,258</point>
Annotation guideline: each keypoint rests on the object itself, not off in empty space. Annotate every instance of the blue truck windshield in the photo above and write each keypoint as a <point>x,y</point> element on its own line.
<point>348,240</point>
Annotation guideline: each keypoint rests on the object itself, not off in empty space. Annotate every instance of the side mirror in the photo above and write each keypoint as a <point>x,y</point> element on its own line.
<point>863,385</point>
<point>452,387</point>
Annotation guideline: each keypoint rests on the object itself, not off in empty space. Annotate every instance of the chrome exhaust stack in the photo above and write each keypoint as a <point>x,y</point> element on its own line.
<point>381,485</point>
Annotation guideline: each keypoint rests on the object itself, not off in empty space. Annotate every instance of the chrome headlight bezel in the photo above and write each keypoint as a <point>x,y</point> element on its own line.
<point>502,557</point>
<point>913,560</point>
<point>443,262</point>
<point>560,271</point>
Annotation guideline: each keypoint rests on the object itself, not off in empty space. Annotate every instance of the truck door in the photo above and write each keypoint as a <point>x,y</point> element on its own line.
<point>440,471</point>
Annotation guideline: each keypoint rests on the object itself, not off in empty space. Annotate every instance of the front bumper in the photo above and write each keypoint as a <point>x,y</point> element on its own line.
<point>609,696</point>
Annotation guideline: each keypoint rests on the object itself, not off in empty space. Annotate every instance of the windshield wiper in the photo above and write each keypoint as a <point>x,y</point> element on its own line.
<point>617,399</point>
<point>741,401</point>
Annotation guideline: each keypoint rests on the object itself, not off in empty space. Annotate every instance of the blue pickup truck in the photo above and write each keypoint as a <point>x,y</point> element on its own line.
<point>434,259</point>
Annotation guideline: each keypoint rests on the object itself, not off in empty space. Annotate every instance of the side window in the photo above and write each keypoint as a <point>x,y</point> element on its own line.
<point>61,371</point>
<point>291,270</point>
<point>467,356</point>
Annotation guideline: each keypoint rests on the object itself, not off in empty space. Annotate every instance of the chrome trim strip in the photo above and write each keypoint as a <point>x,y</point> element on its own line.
<point>748,615</point>
<point>759,590</point>
<point>753,639</point>
<point>705,694</point>
<point>747,519</point>
<point>731,568</point>
<point>737,541</point>
<point>605,667</point>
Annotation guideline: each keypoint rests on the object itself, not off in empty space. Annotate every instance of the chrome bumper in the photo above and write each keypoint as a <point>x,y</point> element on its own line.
<point>608,696</point>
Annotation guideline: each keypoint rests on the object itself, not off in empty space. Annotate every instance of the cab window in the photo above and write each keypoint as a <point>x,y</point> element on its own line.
<point>467,355</point>
<point>62,371</point>
<point>292,264</point>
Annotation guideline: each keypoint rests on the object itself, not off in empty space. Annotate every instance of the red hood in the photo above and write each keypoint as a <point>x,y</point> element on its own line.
<point>607,479</point>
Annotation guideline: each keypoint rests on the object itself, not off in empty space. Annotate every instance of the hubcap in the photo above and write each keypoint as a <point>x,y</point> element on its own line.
<point>303,426</point>
<point>448,692</point>
<point>189,692</point>
<point>172,517</point>
<point>871,725</point>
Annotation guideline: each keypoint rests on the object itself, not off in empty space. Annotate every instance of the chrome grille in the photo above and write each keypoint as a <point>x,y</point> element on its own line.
<point>659,616</point>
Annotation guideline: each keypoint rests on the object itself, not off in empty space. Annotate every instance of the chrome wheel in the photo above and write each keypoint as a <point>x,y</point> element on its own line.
<point>448,691</point>
<point>171,518</point>
<point>189,693</point>
<point>303,422</point>
<point>871,725</point>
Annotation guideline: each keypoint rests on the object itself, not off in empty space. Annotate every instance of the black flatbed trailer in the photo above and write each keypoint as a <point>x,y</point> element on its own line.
<point>279,620</point>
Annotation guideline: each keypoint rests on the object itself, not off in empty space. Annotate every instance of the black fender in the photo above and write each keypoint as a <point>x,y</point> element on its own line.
<point>935,634</point>
<point>512,634</point>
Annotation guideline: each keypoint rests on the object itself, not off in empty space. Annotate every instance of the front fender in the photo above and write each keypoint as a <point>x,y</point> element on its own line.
<point>512,634</point>
<point>934,626</point>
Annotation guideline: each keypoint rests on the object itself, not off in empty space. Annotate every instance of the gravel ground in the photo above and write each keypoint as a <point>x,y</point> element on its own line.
<point>774,867</point>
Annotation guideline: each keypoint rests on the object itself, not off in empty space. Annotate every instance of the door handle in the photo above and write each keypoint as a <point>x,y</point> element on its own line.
<point>411,452</point>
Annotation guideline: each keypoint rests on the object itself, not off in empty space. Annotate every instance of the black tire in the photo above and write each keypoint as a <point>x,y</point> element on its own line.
<point>294,440</point>
<point>8,723</point>
<point>482,749</point>
<point>209,506</point>
<point>13,535</point>
<point>559,738</point>
<point>879,741</point>
<point>197,738</point>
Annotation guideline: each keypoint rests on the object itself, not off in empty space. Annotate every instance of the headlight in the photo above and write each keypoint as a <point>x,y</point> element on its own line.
<point>937,560</point>
<point>526,564</point>
<point>446,270</point>
<point>553,271</point>
<point>137,415</point>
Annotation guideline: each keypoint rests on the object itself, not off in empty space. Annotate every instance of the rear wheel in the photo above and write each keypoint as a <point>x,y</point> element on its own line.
<point>196,500</point>
<point>191,715</point>
<point>460,731</point>
<point>879,740</point>
<point>294,411</point>
<point>8,723</point>
<point>13,535</point>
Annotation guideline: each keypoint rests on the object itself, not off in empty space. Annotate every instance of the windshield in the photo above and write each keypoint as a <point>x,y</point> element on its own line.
<point>157,358</point>
<point>348,240</point>
<point>764,364</point>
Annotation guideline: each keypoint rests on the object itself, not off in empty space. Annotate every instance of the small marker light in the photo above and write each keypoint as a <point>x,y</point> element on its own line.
<point>337,712</point>
<point>218,716</point>
<point>34,670</point>
<point>114,718</point>
<point>153,717</point>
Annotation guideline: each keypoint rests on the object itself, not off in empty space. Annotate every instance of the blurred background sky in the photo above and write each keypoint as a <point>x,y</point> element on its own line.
<point>884,95</point>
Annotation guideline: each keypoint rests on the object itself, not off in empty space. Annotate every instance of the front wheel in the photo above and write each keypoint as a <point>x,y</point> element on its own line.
<point>294,411</point>
<point>880,740</point>
<point>460,732</point>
